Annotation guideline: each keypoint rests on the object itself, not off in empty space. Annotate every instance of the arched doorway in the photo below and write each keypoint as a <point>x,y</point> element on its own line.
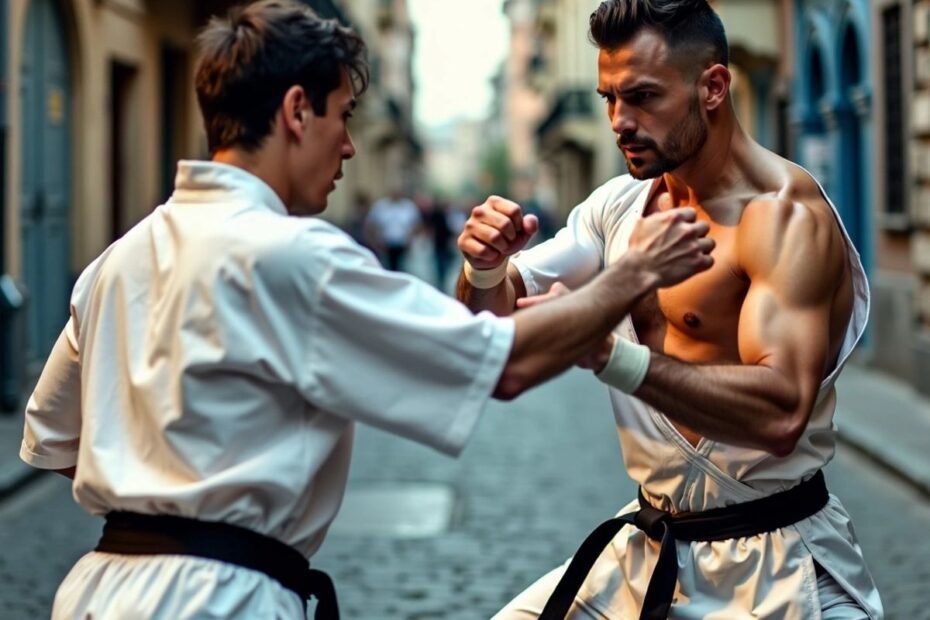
<point>46,174</point>
<point>851,198</point>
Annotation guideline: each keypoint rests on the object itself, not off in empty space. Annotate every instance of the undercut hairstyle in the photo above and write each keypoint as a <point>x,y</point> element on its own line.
<point>688,26</point>
<point>250,58</point>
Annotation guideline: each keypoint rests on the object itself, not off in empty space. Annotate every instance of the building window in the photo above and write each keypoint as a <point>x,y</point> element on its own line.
<point>895,199</point>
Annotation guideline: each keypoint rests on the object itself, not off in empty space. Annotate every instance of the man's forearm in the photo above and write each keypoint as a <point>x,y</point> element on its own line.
<point>551,337</point>
<point>748,405</point>
<point>500,300</point>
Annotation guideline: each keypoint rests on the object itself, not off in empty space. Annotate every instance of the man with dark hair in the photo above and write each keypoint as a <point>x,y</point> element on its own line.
<point>204,391</point>
<point>722,386</point>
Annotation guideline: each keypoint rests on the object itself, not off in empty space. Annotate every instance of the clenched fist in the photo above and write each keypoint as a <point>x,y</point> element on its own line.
<point>495,230</point>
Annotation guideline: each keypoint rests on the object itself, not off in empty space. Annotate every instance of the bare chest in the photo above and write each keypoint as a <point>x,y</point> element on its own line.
<point>698,319</point>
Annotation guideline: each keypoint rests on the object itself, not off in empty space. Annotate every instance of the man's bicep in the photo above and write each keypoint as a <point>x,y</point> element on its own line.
<point>793,258</point>
<point>785,319</point>
<point>788,337</point>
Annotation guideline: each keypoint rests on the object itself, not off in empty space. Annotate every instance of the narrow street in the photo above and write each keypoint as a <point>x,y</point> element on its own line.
<point>539,474</point>
<point>111,107</point>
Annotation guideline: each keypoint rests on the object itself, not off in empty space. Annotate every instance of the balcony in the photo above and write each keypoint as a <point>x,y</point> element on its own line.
<point>571,104</point>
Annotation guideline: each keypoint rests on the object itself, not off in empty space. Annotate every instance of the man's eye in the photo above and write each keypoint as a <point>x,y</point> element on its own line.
<point>642,96</point>
<point>607,98</point>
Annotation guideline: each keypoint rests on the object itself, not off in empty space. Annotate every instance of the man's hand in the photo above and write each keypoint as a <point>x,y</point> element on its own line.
<point>556,290</point>
<point>495,230</point>
<point>671,246</point>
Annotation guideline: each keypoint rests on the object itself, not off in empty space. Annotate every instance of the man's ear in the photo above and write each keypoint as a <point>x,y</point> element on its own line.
<point>294,111</point>
<point>715,82</point>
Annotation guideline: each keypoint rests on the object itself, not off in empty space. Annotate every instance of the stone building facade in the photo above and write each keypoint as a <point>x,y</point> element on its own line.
<point>96,107</point>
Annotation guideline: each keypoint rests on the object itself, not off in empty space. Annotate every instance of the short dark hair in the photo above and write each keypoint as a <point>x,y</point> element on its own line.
<point>682,23</point>
<point>251,57</point>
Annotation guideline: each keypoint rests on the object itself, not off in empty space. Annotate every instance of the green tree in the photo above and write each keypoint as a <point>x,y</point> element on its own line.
<point>494,171</point>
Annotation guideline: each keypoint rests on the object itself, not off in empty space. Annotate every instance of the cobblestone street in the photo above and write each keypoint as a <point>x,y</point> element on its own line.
<point>539,474</point>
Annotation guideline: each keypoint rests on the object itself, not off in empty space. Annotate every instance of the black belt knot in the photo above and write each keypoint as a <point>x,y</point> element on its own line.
<point>652,521</point>
<point>131,533</point>
<point>736,521</point>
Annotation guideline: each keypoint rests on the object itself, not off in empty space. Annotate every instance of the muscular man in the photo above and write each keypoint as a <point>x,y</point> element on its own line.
<point>204,392</point>
<point>722,386</point>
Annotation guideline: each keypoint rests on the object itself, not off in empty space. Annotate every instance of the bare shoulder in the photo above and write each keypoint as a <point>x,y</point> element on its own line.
<point>792,233</point>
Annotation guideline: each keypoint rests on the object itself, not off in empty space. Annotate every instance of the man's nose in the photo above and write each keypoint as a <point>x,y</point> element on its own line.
<point>348,147</point>
<point>623,122</point>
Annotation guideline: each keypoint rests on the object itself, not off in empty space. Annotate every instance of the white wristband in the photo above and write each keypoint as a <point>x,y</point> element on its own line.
<point>486,278</point>
<point>626,368</point>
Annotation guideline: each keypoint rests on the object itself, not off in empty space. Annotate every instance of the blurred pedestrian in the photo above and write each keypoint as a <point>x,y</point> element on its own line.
<point>358,225</point>
<point>394,221</point>
<point>204,391</point>
<point>436,219</point>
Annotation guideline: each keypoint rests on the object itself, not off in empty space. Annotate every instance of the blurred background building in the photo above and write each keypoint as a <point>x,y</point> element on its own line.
<point>389,150</point>
<point>96,107</point>
<point>574,144</point>
<point>897,174</point>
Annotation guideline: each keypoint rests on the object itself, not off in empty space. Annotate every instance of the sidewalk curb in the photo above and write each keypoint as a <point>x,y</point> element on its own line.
<point>882,457</point>
<point>886,420</point>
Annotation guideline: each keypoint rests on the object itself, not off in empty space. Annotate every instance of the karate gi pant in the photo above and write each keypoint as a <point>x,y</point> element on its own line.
<point>835,603</point>
<point>105,586</point>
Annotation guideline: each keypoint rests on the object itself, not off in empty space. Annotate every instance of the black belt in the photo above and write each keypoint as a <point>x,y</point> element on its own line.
<point>139,534</point>
<point>736,521</point>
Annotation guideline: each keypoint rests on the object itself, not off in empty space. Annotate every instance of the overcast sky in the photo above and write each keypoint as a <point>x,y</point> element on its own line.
<point>459,46</point>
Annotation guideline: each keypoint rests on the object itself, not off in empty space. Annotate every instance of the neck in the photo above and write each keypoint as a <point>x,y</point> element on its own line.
<point>259,164</point>
<point>715,167</point>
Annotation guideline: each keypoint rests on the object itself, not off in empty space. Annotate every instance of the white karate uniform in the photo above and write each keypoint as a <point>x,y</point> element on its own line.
<point>216,360</point>
<point>765,576</point>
